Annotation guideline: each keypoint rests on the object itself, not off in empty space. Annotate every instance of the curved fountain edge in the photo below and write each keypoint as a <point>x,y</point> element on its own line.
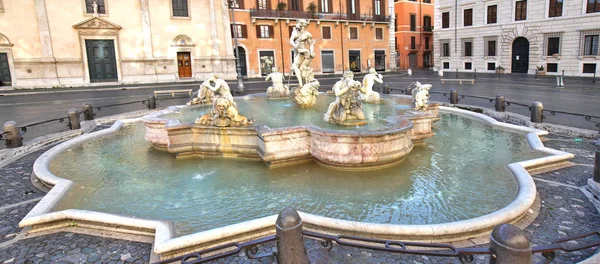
<point>163,233</point>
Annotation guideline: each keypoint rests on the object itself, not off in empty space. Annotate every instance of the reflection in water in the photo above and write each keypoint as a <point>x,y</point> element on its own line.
<point>444,179</point>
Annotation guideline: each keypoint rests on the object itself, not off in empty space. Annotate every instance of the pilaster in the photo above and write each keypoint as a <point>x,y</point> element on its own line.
<point>146,29</point>
<point>50,76</point>
<point>392,30</point>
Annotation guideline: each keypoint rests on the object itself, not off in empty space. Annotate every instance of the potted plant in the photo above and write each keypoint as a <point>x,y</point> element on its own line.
<point>312,9</point>
<point>540,70</point>
<point>281,6</point>
<point>499,70</point>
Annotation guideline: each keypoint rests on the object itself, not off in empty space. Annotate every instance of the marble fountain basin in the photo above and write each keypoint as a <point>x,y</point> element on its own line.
<point>459,184</point>
<point>286,135</point>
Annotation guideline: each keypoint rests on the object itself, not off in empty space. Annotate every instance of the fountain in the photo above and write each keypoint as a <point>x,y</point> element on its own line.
<point>370,166</point>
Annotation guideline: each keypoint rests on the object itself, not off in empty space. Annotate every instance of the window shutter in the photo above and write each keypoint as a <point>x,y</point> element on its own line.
<point>330,3</point>
<point>101,7</point>
<point>271,32</point>
<point>257,31</point>
<point>244,31</point>
<point>269,7</point>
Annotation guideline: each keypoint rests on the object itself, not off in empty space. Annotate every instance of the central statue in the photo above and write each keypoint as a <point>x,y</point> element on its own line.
<point>305,95</point>
<point>346,110</point>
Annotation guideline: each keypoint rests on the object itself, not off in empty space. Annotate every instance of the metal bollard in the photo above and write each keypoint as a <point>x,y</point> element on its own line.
<point>536,73</point>
<point>500,103</point>
<point>290,244</point>
<point>12,135</point>
<point>475,75</point>
<point>386,88</point>
<point>597,165</point>
<point>456,73</point>
<point>537,112</point>
<point>151,102</point>
<point>74,122</point>
<point>510,245</point>
<point>453,96</point>
<point>88,112</point>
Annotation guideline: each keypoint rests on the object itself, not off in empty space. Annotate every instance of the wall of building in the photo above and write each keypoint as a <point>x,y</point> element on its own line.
<point>339,42</point>
<point>48,49</point>
<point>403,10</point>
<point>538,26</point>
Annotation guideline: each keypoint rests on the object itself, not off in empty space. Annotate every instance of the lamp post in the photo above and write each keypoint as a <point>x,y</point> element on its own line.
<point>232,4</point>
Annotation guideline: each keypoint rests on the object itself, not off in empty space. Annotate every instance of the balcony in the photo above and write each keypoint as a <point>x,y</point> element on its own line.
<point>428,28</point>
<point>264,13</point>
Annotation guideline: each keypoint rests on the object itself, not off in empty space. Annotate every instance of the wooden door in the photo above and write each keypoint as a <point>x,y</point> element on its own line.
<point>101,60</point>
<point>184,64</point>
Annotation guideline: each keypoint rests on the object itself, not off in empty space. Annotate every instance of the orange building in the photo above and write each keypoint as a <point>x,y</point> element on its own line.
<point>414,37</point>
<point>349,34</point>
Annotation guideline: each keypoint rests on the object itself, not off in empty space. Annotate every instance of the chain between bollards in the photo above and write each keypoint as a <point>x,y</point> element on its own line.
<point>12,135</point>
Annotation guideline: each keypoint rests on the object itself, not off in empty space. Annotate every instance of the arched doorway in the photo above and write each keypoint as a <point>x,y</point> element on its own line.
<point>520,55</point>
<point>242,60</point>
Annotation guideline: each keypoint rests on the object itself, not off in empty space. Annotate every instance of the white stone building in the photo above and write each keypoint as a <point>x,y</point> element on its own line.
<point>518,35</point>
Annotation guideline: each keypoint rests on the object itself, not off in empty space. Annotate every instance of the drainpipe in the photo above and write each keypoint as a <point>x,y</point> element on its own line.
<point>455,25</point>
<point>282,52</point>
<point>342,38</point>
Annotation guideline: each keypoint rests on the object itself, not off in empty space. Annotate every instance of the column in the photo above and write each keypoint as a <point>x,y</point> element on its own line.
<point>146,29</point>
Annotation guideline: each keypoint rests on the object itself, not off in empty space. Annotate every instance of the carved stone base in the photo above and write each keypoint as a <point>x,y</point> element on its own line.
<point>349,122</point>
<point>273,93</point>
<point>304,101</point>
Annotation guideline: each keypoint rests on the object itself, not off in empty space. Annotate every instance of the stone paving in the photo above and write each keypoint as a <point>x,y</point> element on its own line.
<point>565,211</point>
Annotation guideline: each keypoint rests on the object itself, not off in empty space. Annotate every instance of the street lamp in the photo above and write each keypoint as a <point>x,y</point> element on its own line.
<point>232,4</point>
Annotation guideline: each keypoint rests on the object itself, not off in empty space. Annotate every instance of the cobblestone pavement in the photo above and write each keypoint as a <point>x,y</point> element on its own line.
<point>565,211</point>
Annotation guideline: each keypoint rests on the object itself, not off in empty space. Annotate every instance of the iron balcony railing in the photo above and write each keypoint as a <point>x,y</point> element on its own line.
<point>306,15</point>
<point>428,28</point>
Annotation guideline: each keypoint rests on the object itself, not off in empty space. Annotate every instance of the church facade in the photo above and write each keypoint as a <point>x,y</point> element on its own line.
<point>62,43</point>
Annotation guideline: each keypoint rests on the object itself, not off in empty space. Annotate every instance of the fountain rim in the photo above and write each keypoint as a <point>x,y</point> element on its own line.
<point>166,243</point>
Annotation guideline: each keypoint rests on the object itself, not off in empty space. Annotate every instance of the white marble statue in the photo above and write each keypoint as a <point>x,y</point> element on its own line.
<point>278,90</point>
<point>303,44</point>
<point>346,109</point>
<point>211,88</point>
<point>307,95</point>
<point>223,114</point>
<point>420,96</point>
<point>369,80</point>
<point>95,7</point>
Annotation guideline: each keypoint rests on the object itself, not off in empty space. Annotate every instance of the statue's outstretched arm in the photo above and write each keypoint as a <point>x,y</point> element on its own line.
<point>268,77</point>
<point>378,78</point>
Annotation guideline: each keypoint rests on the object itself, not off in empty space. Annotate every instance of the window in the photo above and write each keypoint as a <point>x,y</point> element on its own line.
<point>589,67</point>
<point>593,6</point>
<point>446,20</point>
<point>180,8</point>
<point>380,60</point>
<point>262,4</point>
<point>446,65</point>
<point>427,24</point>
<point>491,48</point>
<point>353,33</point>
<point>553,46</point>
<point>267,62</point>
<point>412,42</point>
<point>295,5</point>
<point>291,29</point>
<point>468,17</point>
<point>413,22</point>
<point>556,7</point>
<point>326,31</point>
<point>377,7</point>
<point>426,43</point>
<point>325,6</point>
<point>237,4</point>
<point>89,8</point>
<point>352,7</point>
<point>590,46</point>
<point>427,1</point>
<point>521,10</point>
<point>468,65</point>
<point>491,66</point>
<point>379,33</point>
<point>264,31</point>
<point>492,14</point>
<point>551,67</point>
<point>467,48</point>
<point>446,49</point>
<point>239,31</point>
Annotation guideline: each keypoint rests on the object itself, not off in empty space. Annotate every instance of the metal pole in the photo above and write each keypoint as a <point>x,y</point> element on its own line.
<point>237,53</point>
<point>151,102</point>
<point>537,112</point>
<point>12,135</point>
<point>456,73</point>
<point>453,96</point>
<point>475,75</point>
<point>597,165</point>
<point>594,78</point>
<point>74,122</point>
<point>510,245</point>
<point>536,72</point>
<point>88,112</point>
<point>500,103</point>
<point>290,244</point>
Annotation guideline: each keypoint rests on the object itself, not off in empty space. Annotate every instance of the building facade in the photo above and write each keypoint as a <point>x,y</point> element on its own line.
<point>350,34</point>
<point>54,43</point>
<point>519,36</point>
<point>414,36</point>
